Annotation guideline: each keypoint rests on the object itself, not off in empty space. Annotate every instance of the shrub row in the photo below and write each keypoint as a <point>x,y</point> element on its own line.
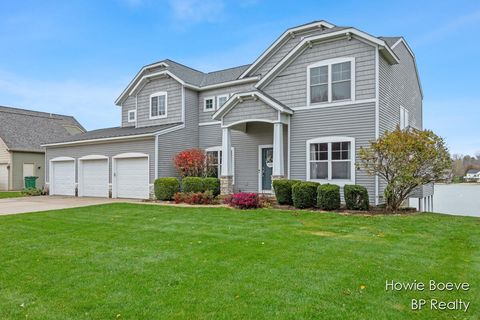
<point>166,188</point>
<point>306,194</point>
<point>206,197</point>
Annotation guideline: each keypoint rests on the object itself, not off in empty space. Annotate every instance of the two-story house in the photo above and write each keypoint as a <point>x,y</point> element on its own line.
<point>301,110</point>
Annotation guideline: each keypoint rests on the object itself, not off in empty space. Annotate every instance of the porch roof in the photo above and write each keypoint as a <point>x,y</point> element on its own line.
<point>255,94</point>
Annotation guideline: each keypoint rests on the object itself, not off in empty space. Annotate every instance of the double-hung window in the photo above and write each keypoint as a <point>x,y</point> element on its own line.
<point>132,115</point>
<point>209,104</point>
<point>214,162</point>
<point>221,100</point>
<point>158,105</point>
<point>331,159</point>
<point>331,80</point>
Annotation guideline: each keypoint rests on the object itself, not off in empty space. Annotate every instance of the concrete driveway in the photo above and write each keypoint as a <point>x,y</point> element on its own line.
<point>44,203</point>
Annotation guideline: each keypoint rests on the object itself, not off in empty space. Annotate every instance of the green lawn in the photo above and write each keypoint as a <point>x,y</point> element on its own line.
<point>10,194</point>
<point>132,261</point>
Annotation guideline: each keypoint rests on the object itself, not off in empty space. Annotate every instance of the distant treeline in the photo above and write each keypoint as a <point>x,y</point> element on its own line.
<point>462,163</point>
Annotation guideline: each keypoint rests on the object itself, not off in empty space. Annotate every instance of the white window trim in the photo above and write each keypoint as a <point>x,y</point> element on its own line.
<point>158,94</point>
<point>329,63</point>
<point>330,140</point>
<point>218,149</point>
<point>205,104</point>
<point>221,96</point>
<point>404,118</point>
<point>134,117</point>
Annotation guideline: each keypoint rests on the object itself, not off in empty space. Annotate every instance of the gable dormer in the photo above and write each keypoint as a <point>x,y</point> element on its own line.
<point>287,41</point>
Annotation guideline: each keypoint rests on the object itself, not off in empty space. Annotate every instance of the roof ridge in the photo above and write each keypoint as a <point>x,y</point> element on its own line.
<point>243,65</point>
<point>43,114</point>
<point>184,65</point>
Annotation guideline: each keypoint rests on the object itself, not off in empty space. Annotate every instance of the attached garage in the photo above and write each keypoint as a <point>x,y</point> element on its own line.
<point>93,176</point>
<point>131,176</point>
<point>3,177</point>
<point>62,176</point>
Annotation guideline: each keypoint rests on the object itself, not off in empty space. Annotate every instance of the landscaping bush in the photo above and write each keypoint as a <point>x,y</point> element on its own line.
<point>165,188</point>
<point>304,194</point>
<point>328,197</point>
<point>283,190</point>
<point>206,197</point>
<point>190,163</point>
<point>212,184</point>
<point>244,200</point>
<point>32,192</point>
<point>192,184</point>
<point>356,197</point>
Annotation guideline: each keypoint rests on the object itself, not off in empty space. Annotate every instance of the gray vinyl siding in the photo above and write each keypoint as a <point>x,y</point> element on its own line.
<point>16,171</point>
<point>355,121</point>
<point>174,102</point>
<point>4,154</point>
<point>173,142</point>
<point>250,109</point>
<point>283,50</point>
<point>108,149</point>
<point>128,105</point>
<point>206,116</point>
<point>399,86</point>
<point>290,86</point>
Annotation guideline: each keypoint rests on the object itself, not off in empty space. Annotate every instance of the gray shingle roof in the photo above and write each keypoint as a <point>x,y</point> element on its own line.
<point>26,130</point>
<point>473,171</point>
<point>116,132</point>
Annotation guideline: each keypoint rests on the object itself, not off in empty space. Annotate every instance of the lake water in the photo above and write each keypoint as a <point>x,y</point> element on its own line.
<point>457,199</point>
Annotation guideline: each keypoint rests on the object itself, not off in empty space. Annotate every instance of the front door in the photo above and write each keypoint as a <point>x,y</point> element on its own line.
<point>266,168</point>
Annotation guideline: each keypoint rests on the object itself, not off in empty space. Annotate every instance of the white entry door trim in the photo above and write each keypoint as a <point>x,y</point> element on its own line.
<point>115,173</point>
<point>4,176</point>
<point>51,174</point>
<point>82,191</point>
<point>260,147</point>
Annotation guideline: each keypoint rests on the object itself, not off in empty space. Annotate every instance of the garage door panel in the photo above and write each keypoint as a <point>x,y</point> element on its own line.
<point>3,177</point>
<point>94,178</point>
<point>132,178</point>
<point>63,178</point>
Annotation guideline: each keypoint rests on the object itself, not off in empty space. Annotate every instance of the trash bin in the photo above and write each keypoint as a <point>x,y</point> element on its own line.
<point>30,182</point>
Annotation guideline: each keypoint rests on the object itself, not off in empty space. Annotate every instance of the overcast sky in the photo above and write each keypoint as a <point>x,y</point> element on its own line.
<point>75,57</point>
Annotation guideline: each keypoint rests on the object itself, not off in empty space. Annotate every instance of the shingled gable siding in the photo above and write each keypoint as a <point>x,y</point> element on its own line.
<point>284,50</point>
<point>128,105</point>
<point>207,116</point>
<point>171,143</point>
<point>290,86</point>
<point>174,102</point>
<point>356,121</point>
<point>108,149</point>
<point>4,154</point>
<point>399,87</point>
<point>250,109</point>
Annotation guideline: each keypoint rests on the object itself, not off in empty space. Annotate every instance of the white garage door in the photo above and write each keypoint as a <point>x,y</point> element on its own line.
<point>93,178</point>
<point>131,178</point>
<point>3,177</point>
<point>63,178</point>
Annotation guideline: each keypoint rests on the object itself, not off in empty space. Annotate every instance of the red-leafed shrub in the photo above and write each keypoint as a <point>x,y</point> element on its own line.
<point>190,163</point>
<point>245,200</point>
<point>206,197</point>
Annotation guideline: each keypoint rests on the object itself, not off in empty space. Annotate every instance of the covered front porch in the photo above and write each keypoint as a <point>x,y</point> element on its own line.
<point>255,128</point>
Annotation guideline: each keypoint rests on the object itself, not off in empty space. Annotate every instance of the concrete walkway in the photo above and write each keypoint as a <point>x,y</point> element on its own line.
<point>44,203</point>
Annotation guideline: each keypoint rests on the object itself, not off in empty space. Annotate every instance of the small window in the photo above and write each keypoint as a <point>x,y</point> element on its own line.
<point>132,115</point>
<point>331,80</point>
<point>330,159</point>
<point>209,104</point>
<point>404,118</point>
<point>221,100</point>
<point>158,105</point>
<point>214,162</point>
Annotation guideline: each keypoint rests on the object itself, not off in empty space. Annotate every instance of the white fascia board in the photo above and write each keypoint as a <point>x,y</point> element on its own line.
<point>153,75</point>
<point>98,140</point>
<point>307,40</point>
<point>234,100</point>
<point>280,39</point>
<point>137,76</point>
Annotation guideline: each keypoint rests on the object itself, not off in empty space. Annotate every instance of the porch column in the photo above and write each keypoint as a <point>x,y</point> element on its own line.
<point>278,155</point>
<point>226,179</point>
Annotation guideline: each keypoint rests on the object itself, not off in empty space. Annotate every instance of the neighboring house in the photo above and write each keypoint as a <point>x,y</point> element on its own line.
<point>472,175</point>
<point>21,134</point>
<point>301,110</point>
